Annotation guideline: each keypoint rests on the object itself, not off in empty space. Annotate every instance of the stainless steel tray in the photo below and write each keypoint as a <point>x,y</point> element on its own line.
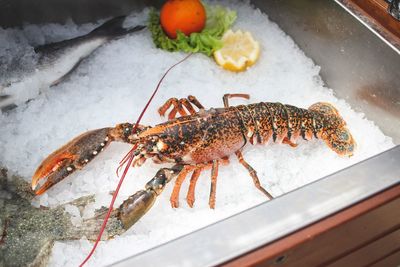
<point>361,67</point>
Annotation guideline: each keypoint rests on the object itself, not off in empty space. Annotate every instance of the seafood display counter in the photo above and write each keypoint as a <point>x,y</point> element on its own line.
<point>326,211</point>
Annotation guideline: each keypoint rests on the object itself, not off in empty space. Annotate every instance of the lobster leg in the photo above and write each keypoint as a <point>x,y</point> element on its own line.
<point>192,187</point>
<point>213,190</point>
<point>195,102</point>
<point>197,169</point>
<point>178,183</point>
<point>178,106</point>
<point>196,173</point>
<point>185,102</point>
<point>195,176</point>
<point>253,174</point>
<point>226,97</point>
<point>288,142</point>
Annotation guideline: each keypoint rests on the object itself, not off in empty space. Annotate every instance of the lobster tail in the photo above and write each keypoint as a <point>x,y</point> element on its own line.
<point>341,141</point>
<point>334,132</point>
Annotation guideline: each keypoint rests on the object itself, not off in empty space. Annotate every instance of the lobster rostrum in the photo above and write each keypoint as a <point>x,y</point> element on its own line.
<point>197,141</point>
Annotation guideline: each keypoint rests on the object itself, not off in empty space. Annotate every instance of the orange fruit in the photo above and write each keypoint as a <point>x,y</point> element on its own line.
<point>187,16</point>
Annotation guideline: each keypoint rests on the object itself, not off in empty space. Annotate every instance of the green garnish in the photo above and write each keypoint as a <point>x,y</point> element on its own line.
<point>219,19</point>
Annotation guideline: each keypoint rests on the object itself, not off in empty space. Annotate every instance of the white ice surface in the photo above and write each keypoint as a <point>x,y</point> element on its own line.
<point>113,85</point>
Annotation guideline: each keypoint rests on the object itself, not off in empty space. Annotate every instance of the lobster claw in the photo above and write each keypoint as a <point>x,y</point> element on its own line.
<point>132,209</point>
<point>137,205</point>
<point>74,155</point>
<point>53,170</point>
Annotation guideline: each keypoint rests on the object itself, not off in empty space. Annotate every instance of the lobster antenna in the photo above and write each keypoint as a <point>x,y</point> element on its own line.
<point>128,158</point>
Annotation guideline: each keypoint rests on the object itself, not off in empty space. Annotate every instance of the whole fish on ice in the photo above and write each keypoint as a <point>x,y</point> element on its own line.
<point>28,233</point>
<point>57,60</point>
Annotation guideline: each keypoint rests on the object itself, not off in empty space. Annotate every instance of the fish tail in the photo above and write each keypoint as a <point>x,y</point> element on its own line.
<point>114,28</point>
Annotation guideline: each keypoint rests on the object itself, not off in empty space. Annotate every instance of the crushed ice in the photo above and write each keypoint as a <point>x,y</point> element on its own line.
<point>113,85</point>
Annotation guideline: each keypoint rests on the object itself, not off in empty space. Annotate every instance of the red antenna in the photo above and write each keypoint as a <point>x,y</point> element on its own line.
<point>128,158</point>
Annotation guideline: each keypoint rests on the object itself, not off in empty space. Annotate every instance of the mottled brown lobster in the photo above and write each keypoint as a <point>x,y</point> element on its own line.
<point>198,141</point>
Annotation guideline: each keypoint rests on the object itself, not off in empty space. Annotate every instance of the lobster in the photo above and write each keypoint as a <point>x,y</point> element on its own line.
<point>196,141</point>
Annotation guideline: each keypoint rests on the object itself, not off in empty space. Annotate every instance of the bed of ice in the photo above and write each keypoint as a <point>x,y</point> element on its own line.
<point>113,85</point>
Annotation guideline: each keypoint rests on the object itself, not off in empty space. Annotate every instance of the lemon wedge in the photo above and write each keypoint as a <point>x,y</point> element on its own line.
<point>239,51</point>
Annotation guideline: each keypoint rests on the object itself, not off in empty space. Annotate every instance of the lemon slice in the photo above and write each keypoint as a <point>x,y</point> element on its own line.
<point>239,51</point>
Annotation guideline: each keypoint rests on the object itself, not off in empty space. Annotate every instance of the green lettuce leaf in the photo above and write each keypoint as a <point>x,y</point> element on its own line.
<point>219,19</point>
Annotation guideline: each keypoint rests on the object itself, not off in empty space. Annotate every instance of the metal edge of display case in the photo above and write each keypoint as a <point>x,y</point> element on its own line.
<point>369,25</point>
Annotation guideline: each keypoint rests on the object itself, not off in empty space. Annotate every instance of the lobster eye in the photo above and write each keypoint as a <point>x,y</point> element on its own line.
<point>127,128</point>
